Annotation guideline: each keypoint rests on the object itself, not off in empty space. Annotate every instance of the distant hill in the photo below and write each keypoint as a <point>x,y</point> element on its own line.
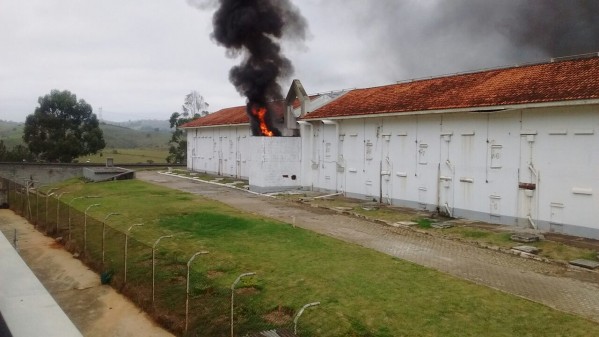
<point>117,137</point>
<point>120,137</point>
<point>145,125</point>
<point>11,133</point>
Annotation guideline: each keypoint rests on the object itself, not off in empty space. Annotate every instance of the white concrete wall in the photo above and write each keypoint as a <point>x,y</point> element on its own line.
<point>465,164</point>
<point>219,150</point>
<point>468,164</point>
<point>275,163</point>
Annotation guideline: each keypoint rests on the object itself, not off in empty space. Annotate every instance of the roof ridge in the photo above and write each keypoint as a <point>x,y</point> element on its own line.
<point>570,58</point>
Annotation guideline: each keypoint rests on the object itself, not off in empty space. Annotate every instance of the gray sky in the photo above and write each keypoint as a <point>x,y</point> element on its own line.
<point>137,59</point>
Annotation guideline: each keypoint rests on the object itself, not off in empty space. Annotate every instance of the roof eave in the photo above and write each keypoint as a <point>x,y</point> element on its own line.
<point>214,126</point>
<point>479,109</point>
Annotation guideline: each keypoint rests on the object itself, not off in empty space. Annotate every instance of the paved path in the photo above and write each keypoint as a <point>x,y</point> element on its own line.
<point>556,286</point>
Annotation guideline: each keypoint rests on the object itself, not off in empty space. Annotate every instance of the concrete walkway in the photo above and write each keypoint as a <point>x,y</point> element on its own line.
<point>556,286</point>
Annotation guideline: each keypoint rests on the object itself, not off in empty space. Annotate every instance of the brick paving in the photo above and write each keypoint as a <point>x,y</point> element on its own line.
<point>561,287</point>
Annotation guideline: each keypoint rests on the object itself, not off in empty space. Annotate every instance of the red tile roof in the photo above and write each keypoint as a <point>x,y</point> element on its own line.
<point>549,82</point>
<point>237,115</point>
<point>228,116</point>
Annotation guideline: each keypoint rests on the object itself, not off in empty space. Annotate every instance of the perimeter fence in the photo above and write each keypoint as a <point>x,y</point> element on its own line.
<point>165,283</point>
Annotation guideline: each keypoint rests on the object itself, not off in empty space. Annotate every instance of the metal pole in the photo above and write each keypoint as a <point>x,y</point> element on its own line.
<point>49,193</point>
<point>187,288</point>
<point>126,240</point>
<point>70,206</point>
<point>104,232</point>
<point>300,312</point>
<point>58,209</point>
<point>233,295</point>
<point>85,227</point>
<point>154,259</point>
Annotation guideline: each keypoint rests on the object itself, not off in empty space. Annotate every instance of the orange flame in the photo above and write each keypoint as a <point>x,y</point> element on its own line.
<point>260,112</point>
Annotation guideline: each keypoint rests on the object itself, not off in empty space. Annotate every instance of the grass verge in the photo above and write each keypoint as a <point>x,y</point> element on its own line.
<point>362,292</point>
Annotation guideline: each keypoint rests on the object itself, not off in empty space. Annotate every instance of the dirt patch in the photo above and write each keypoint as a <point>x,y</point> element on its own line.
<point>247,291</point>
<point>56,245</point>
<point>212,274</point>
<point>279,316</point>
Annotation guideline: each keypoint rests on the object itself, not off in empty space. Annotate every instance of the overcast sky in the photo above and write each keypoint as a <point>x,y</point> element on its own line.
<point>137,59</point>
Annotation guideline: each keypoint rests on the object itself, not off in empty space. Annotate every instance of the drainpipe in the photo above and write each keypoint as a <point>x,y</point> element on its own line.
<point>311,146</point>
<point>331,122</point>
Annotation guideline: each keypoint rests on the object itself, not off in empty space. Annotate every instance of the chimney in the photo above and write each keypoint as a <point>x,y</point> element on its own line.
<point>296,91</point>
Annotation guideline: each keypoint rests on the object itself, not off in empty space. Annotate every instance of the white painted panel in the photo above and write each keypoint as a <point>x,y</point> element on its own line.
<point>567,164</point>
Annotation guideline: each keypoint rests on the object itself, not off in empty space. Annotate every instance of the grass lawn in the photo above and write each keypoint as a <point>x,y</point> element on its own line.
<point>361,292</point>
<point>128,156</point>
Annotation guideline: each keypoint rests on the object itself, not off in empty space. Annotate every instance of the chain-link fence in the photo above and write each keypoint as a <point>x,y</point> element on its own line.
<point>164,282</point>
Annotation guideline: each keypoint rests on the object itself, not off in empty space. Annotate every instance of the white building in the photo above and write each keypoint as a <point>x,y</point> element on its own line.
<point>514,146</point>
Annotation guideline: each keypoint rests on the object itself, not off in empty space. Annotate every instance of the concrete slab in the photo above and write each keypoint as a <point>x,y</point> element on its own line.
<point>527,249</point>
<point>588,264</point>
<point>525,237</point>
<point>404,224</point>
<point>443,225</point>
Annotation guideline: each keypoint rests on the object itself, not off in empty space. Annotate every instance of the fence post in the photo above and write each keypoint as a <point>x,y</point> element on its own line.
<point>104,233</point>
<point>300,312</point>
<point>85,227</point>
<point>154,259</point>
<point>187,288</point>
<point>49,193</point>
<point>233,294</point>
<point>58,209</point>
<point>126,240</point>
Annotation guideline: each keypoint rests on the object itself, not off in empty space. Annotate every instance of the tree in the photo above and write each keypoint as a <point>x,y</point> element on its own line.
<point>17,154</point>
<point>62,128</point>
<point>194,106</point>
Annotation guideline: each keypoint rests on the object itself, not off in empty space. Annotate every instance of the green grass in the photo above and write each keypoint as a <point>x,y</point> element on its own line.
<point>362,292</point>
<point>128,156</point>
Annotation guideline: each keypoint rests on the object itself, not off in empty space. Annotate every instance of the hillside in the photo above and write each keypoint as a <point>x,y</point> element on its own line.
<point>145,125</point>
<point>120,137</point>
<point>116,137</point>
<point>11,133</point>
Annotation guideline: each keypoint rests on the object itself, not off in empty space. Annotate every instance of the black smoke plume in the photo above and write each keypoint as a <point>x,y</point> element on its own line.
<point>427,38</point>
<point>253,29</point>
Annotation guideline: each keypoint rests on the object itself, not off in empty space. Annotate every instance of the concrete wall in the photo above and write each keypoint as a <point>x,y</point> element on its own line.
<point>275,163</point>
<point>26,306</point>
<point>43,174</point>
<point>529,167</point>
<point>219,150</point>
<point>471,165</point>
